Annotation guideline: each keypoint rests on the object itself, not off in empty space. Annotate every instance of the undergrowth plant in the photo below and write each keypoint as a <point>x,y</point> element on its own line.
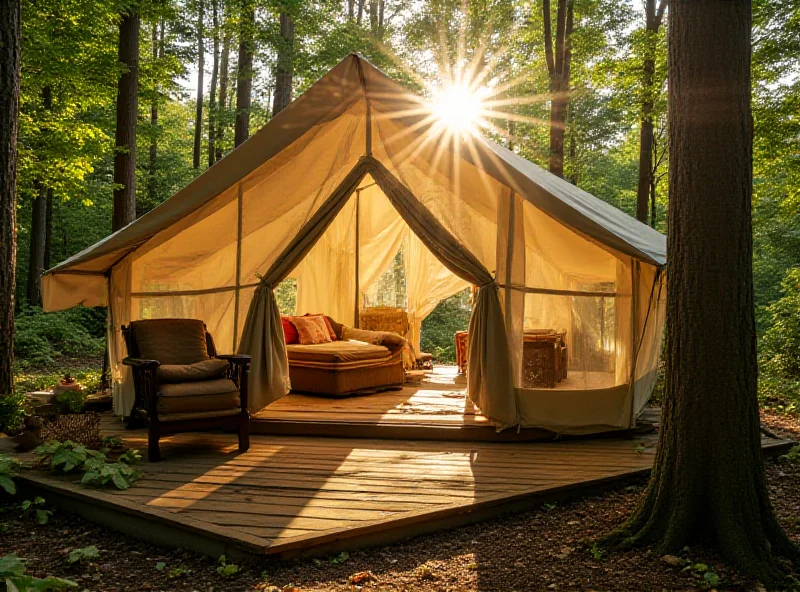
<point>13,410</point>
<point>12,573</point>
<point>36,510</point>
<point>8,468</point>
<point>68,457</point>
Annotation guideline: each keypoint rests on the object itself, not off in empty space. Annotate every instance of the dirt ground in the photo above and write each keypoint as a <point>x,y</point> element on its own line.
<point>545,549</point>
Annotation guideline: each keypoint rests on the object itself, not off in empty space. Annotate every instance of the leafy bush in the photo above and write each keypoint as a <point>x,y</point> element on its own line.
<point>71,400</point>
<point>83,554</point>
<point>36,510</point>
<point>439,328</point>
<point>779,358</point>
<point>13,410</point>
<point>41,337</point>
<point>69,457</point>
<point>12,572</point>
<point>7,471</point>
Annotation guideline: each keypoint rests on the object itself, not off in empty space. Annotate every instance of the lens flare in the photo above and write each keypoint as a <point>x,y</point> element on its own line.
<point>459,108</point>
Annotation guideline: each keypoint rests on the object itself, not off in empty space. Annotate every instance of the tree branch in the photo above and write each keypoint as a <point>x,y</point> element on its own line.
<point>662,6</point>
<point>561,27</point>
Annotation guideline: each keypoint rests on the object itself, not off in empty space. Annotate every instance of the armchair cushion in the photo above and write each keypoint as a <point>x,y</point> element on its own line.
<point>198,397</point>
<point>171,341</point>
<point>205,370</point>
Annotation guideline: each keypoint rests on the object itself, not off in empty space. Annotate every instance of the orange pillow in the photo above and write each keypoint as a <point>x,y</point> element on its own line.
<point>331,332</point>
<point>312,330</point>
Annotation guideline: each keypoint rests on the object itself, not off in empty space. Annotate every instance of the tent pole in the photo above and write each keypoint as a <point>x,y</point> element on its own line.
<point>358,286</point>
<point>238,267</point>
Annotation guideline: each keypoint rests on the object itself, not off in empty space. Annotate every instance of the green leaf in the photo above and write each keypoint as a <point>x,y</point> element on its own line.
<point>711,579</point>
<point>8,485</point>
<point>160,566</point>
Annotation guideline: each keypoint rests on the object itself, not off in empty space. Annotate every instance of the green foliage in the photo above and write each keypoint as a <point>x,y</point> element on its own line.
<point>439,328</point>
<point>71,400</point>
<point>42,337</point>
<point>779,360</point>
<point>597,552</point>
<point>83,555</point>
<point>13,410</point>
<point>37,379</point>
<point>36,510</point>
<point>8,468</point>
<point>225,569</point>
<point>12,572</point>
<point>178,572</point>
<point>69,457</point>
<point>793,456</point>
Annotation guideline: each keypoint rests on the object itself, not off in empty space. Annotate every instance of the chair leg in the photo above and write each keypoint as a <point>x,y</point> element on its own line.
<point>153,435</point>
<point>244,435</point>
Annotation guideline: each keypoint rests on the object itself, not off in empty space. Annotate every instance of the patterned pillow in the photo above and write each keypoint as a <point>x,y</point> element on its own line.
<point>312,330</point>
<point>289,331</point>
<point>327,324</point>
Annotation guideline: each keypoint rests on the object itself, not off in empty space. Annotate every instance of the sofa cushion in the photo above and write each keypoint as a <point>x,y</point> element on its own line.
<point>392,341</point>
<point>337,327</point>
<point>198,403</point>
<point>171,341</point>
<point>337,352</point>
<point>200,387</point>
<point>312,330</point>
<point>205,370</point>
<point>289,331</point>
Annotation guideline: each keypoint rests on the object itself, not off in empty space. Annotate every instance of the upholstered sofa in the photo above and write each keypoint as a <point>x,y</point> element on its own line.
<point>356,362</point>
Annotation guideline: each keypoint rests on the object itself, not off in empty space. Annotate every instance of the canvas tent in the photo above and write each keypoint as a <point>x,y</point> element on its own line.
<point>352,166</point>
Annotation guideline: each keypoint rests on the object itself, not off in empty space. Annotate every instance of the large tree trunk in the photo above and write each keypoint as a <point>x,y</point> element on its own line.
<point>38,242</point>
<point>212,92</point>
<point>158,49</point>
<point>708,482</point>
<point>558,67</point>
<point>351,12</point>
<point>244,82</point>
<point>125,137</point>
<point>222,101</point>
<point>285,66</point>
<point>9,118</point>
<point>653,18</point>
<point>360,11</point>
<point>201,62</point>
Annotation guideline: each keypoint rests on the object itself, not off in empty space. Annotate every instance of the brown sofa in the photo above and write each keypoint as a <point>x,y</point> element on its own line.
<point>358,362</point>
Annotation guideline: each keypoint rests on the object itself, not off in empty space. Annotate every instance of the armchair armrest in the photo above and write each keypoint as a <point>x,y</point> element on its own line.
<point>235,358</point>
<point>239,366</point>
<point>139,363</point>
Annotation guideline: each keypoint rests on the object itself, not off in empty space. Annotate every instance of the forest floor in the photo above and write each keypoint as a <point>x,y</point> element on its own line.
<point>545,549</point>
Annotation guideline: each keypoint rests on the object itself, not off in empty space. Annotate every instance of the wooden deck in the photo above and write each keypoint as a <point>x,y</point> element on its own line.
<point>296,495</point>
<point>435,409</point>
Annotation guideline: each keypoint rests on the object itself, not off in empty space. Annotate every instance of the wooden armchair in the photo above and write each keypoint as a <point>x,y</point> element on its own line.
<point>182,384</point>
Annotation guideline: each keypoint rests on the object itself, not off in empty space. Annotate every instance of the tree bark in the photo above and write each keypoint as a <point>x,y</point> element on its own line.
<point>9,121</point>
<point>36,252</point>
<point>351,9</point>
<point>244,78</point>
<point>201,63</point>
<point>285,66</point>
<point>222,101</point>
<point>653,18</point>
<point>38,241</point>
<point>558,67</point>
<point>158,49</point>
<point>360,11</point>
<point>48,230</point>
<point>212,92</point>
<point>708,481</point>
<point>125,137</point>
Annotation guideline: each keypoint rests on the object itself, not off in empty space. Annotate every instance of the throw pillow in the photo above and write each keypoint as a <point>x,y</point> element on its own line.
<point>328,324</point>
<point>289,331</point>
<point>311,330</point>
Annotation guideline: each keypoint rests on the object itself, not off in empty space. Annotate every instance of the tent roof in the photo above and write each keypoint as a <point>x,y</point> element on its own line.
<point>354,79</point>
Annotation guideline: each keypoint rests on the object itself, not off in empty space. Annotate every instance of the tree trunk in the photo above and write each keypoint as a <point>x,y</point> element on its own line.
<point>244,78</point>
<point>285,66</point>
<point>708,481</point>
<point>152,193</point>
<point>653,18</point>
<point>9,121</point>
<point>127,105</point>
<point>212,92</point>
<point>36,252</point>
<point>558,67</point>
<point>222,101</point>
<point>373,17</point>
<point>38,240</point>
<point>351,9</point>
<point>201,62</point>
<point>48,230</point>
<point>360,11</point>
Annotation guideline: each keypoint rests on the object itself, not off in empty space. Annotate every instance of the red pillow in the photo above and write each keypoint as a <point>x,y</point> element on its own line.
<point>289,331</point>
